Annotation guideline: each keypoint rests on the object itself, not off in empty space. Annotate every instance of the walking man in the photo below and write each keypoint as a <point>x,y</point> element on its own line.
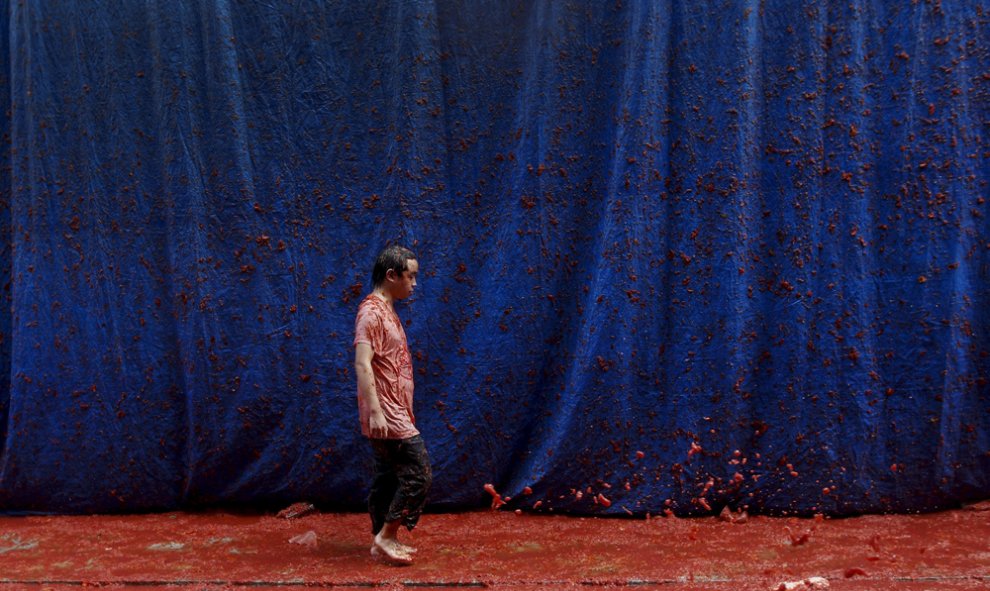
<point>385,407</point>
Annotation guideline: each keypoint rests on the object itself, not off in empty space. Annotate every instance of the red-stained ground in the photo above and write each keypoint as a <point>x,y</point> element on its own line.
<point>496,550</point>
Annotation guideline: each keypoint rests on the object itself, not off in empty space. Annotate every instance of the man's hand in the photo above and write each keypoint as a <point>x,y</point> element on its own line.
<point>376,425</point>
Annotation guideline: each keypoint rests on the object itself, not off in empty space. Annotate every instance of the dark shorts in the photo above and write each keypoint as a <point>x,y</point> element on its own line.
<point>402,478</point>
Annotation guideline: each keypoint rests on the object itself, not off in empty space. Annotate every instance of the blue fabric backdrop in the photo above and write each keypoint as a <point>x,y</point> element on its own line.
<point>682,254</point>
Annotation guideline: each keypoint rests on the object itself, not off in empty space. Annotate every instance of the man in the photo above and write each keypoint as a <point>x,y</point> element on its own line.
<point>385,406</point>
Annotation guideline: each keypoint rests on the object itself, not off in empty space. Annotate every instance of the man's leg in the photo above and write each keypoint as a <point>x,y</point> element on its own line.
<point>384,485</point>
<point>384,489</point>
<point>412,467</point>
<point>415,477</point>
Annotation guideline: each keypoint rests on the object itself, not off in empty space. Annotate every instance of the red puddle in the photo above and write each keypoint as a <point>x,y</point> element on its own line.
<point>497,550</point>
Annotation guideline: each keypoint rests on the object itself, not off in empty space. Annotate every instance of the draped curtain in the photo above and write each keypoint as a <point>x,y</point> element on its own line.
<point>678,255</point>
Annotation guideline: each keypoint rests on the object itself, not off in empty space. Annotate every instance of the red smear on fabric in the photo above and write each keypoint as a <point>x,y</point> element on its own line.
<point>854,572</point>
<point>708,487</point>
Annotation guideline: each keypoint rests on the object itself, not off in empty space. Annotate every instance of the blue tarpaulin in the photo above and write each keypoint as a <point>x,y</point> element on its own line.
<point>674,255</point>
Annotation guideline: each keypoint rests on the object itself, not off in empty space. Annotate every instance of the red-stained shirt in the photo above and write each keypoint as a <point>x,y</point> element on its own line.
<point>378,326</point>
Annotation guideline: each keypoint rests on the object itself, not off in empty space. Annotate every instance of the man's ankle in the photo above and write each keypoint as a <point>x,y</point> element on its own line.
<point>389,531</point>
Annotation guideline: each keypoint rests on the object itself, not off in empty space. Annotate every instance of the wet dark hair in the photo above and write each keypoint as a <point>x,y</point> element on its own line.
<point>394,257</point>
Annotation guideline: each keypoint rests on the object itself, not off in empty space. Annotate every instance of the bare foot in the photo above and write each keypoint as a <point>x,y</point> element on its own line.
<point>390,551</point>
<point>405,547</point>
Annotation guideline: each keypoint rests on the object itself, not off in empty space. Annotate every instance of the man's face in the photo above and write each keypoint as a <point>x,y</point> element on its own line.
<point>402,286</point>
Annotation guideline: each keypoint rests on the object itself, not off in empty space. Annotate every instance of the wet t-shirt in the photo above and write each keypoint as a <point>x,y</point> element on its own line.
<point>378,326</point>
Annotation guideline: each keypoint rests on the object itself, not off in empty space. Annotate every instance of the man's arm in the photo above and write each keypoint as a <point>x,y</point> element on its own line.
<point>366,390</point>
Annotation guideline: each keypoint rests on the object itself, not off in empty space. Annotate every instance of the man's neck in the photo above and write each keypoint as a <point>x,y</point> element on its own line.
<point>384,295</point>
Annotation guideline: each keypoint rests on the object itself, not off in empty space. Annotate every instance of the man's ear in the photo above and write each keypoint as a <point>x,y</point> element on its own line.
<point>390,274</point>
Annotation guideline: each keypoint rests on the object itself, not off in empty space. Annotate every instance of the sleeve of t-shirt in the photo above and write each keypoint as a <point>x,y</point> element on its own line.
<point>367,328</point>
